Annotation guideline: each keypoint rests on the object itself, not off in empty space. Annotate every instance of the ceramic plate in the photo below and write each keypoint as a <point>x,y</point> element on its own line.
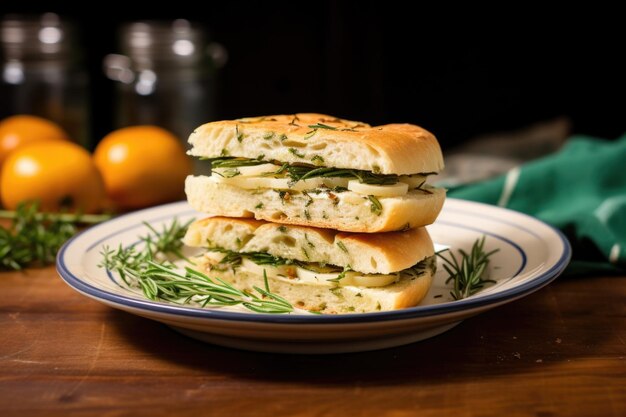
<point>531,254</point>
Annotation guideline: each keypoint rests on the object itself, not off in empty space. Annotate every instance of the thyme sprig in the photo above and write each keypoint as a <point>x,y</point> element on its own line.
<point>467,273</point>
<point>34,238</point>
<point>147,266</point>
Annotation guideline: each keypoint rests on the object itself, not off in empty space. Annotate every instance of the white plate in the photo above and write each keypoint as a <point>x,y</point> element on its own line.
<point>531,254</point>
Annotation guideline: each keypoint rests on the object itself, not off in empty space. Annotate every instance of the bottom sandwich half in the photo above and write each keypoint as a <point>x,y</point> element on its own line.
<point>319,270</point>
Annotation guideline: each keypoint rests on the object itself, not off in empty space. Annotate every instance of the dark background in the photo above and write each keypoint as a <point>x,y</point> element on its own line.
<point>459,73</point>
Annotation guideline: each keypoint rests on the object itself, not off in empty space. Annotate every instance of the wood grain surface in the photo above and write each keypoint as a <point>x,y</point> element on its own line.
<point>558,352</point>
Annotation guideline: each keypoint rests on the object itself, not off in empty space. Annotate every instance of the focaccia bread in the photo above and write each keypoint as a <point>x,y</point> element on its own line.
<point>322,140</point>
<point>372,253</point>
<point>315,269</point>
<point>320,171</point>
<point>406,292</point>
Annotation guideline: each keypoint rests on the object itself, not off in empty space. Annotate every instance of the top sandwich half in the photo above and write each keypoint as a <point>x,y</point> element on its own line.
<point>318,170</point>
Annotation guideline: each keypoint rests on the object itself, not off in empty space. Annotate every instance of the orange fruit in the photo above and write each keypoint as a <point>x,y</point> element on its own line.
<point>59,174</point>
<point>19,130</point>
<point>142,166</point>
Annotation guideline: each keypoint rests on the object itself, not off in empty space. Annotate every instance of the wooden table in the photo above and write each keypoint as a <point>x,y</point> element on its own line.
<point>558,352</point>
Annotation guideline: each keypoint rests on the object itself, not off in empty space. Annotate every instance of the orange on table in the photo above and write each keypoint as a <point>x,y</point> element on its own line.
<point>142,166</point>
<point>22,129</point>
<point>59,174</point>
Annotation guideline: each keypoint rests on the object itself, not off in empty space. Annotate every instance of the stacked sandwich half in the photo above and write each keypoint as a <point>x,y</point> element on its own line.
<point>331,211</point>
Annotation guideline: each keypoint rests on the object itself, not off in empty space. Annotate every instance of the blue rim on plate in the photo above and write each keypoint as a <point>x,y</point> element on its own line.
<point>531,285</point>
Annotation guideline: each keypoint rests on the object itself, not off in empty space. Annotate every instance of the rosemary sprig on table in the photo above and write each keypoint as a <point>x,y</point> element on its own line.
<point>467,274</point>
<point>34,238</point>
<point>159,279</point>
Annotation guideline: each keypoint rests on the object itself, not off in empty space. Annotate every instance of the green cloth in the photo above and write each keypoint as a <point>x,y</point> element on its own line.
<point>581,190</point>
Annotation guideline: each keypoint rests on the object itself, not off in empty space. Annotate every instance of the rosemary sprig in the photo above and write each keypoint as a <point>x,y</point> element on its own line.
<point>159,279</point>
<point>34,238</point>
<point>231,162</point>
<point>299,172</point>
<point>168,241</point>
<point>260,258</point>
<point>341,275</point>
<point>467,274</point>
<point>294,120</point>
<point>303,172</point>
<point>322,126</point>
<point>295,152</point>
<point>376,207</point>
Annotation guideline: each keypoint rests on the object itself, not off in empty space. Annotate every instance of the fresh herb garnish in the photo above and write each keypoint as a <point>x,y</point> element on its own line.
<point>238,135</point>
<point>419,269</point>
<point>306,237</point>
<point>284,195</point>
<point>149,269</point>
<point>322,126</point>
<point>309,200</point>
<point>299,172</point>
<point>375,207</point>
<point>164,282</point>
<point>341,275</point>
<point>317,160</point>
<point>168,240</point>
<point>342,246</point>
<point>231,162</point>
<point>467,275</point>
<point>260,258</point>
<point>294,120</point>
<point>228,173</point>
<point>34,238</point>
<point>295,152</point>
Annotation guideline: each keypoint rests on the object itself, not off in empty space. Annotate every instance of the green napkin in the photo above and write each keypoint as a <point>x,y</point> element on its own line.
<point>581,190</point>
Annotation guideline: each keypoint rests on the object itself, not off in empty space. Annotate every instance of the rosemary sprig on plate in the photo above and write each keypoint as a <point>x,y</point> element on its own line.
<point>150,269</point>
<point>168,241</point>
<point>34,238</point>
<point>467,273</point>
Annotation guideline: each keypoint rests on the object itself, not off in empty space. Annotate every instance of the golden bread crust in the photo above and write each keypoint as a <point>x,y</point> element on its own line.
<point>323,140</point>
<point>381,253</point>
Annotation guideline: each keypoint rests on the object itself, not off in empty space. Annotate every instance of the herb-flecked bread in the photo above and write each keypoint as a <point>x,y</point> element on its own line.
<point>318,170</point>
<point>316,269</point>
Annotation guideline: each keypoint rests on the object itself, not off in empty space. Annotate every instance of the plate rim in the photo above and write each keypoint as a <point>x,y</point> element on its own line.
<point>465,305</point>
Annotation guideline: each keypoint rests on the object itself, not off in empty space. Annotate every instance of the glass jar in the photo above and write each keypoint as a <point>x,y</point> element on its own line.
<point>42,73</point>
<point>165,76</point>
